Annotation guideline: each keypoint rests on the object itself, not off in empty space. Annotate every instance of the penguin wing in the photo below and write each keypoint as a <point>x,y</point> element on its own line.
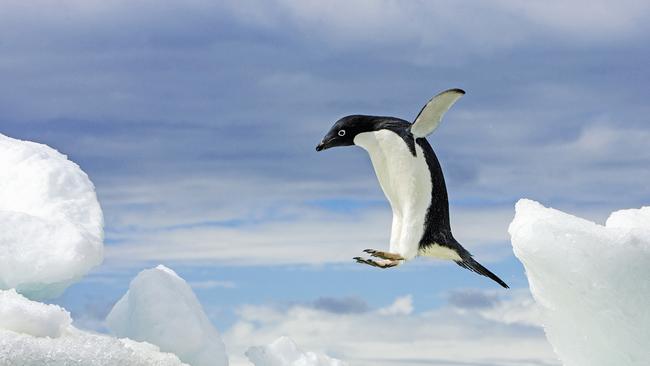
<point>431,114</point>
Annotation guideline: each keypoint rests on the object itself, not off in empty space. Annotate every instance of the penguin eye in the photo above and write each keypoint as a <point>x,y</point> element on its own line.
<point>341,133</point>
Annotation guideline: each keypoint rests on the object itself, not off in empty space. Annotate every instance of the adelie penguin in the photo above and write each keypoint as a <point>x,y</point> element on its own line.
<point>411,177</point>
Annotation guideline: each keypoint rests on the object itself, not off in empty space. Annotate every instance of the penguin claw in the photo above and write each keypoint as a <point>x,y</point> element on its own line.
<point>370,262</point>
<point>384,255</point>
<point>360,260</point>
<point>374,253</point>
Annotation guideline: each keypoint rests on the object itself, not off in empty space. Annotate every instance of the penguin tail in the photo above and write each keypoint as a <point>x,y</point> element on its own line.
<point>469,263</point>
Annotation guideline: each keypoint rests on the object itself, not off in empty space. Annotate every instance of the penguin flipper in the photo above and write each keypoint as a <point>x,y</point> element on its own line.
<point>431,114</point>
<point>469,263</point>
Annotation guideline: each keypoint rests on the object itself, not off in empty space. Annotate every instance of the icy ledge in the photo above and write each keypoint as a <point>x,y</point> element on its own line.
<point>51,225</point>
<point>32,333</point>
<point>592,282</point>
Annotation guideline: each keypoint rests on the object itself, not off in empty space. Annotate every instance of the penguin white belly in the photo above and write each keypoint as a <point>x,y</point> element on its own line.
<point>406,182</point>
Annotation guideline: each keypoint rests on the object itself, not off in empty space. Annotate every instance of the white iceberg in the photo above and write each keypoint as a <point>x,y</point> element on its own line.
<point>160,308</point>
<point>34,334</point>
<point>284,352</point>
<point>592,282</point>
<point>51,225</point>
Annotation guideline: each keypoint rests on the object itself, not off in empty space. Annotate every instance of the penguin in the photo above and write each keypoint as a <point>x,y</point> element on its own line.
<point>411,178</point>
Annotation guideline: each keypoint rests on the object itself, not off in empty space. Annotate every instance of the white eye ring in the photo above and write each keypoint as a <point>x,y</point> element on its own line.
<point>341,133</point>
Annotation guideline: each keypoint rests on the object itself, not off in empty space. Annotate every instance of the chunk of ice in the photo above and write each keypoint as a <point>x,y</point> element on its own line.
<point>592,282</point>
<point>34,334</point>
<point>21,315</point>
<point>160,308</point>
<point>51,225</point>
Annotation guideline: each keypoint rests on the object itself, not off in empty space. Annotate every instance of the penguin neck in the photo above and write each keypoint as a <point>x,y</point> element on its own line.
<point>369,141</point>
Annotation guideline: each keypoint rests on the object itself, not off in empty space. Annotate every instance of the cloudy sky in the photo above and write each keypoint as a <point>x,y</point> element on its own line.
<point>197,122</point>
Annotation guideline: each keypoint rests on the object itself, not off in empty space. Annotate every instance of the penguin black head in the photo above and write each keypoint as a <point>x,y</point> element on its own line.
<point>346,129</point>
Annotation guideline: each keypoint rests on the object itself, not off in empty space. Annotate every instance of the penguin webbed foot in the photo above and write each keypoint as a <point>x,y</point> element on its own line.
<point>379,264</point>
<point>384,255</point>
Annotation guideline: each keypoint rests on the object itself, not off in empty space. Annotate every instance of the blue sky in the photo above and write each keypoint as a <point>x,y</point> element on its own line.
<point>197,122</point>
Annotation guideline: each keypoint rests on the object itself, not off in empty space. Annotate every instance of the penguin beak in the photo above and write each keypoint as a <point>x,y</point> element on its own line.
<point>324,145</point>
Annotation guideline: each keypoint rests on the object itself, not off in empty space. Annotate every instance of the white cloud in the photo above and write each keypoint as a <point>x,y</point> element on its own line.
<point>308,240</point>
<point>585,19</point>
<point>285,352</point>
<point>444,336</point>
<point>401,306</point>
<point>518,308</point>
<point>269,222</point>
<point>310,237</point>
<point>443,25</point>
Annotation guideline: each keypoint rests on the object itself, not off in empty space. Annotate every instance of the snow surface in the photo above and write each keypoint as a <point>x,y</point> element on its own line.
<point>592,282</point>
<point>79,348</point>
<point>284,352</point>
<point>51,225</point>
<point>21,315</point>
<point>34,334</point>
<point>160,308</point>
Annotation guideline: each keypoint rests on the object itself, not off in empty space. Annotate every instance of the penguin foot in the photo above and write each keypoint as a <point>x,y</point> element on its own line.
<point>384,255</point>
<point>379,264</point>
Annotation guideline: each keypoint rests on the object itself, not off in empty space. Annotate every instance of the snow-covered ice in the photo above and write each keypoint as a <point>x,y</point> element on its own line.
<point>284,352</point>
<point>34,334</point>
<point>592,282</point>
<point>21,315</point>
<point>79,348</point>
<point>638,219</point>
<point>160,308</point>
<point>51,225</point>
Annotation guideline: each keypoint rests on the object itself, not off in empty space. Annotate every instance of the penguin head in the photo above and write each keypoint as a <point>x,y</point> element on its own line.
<point>345,130</point>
